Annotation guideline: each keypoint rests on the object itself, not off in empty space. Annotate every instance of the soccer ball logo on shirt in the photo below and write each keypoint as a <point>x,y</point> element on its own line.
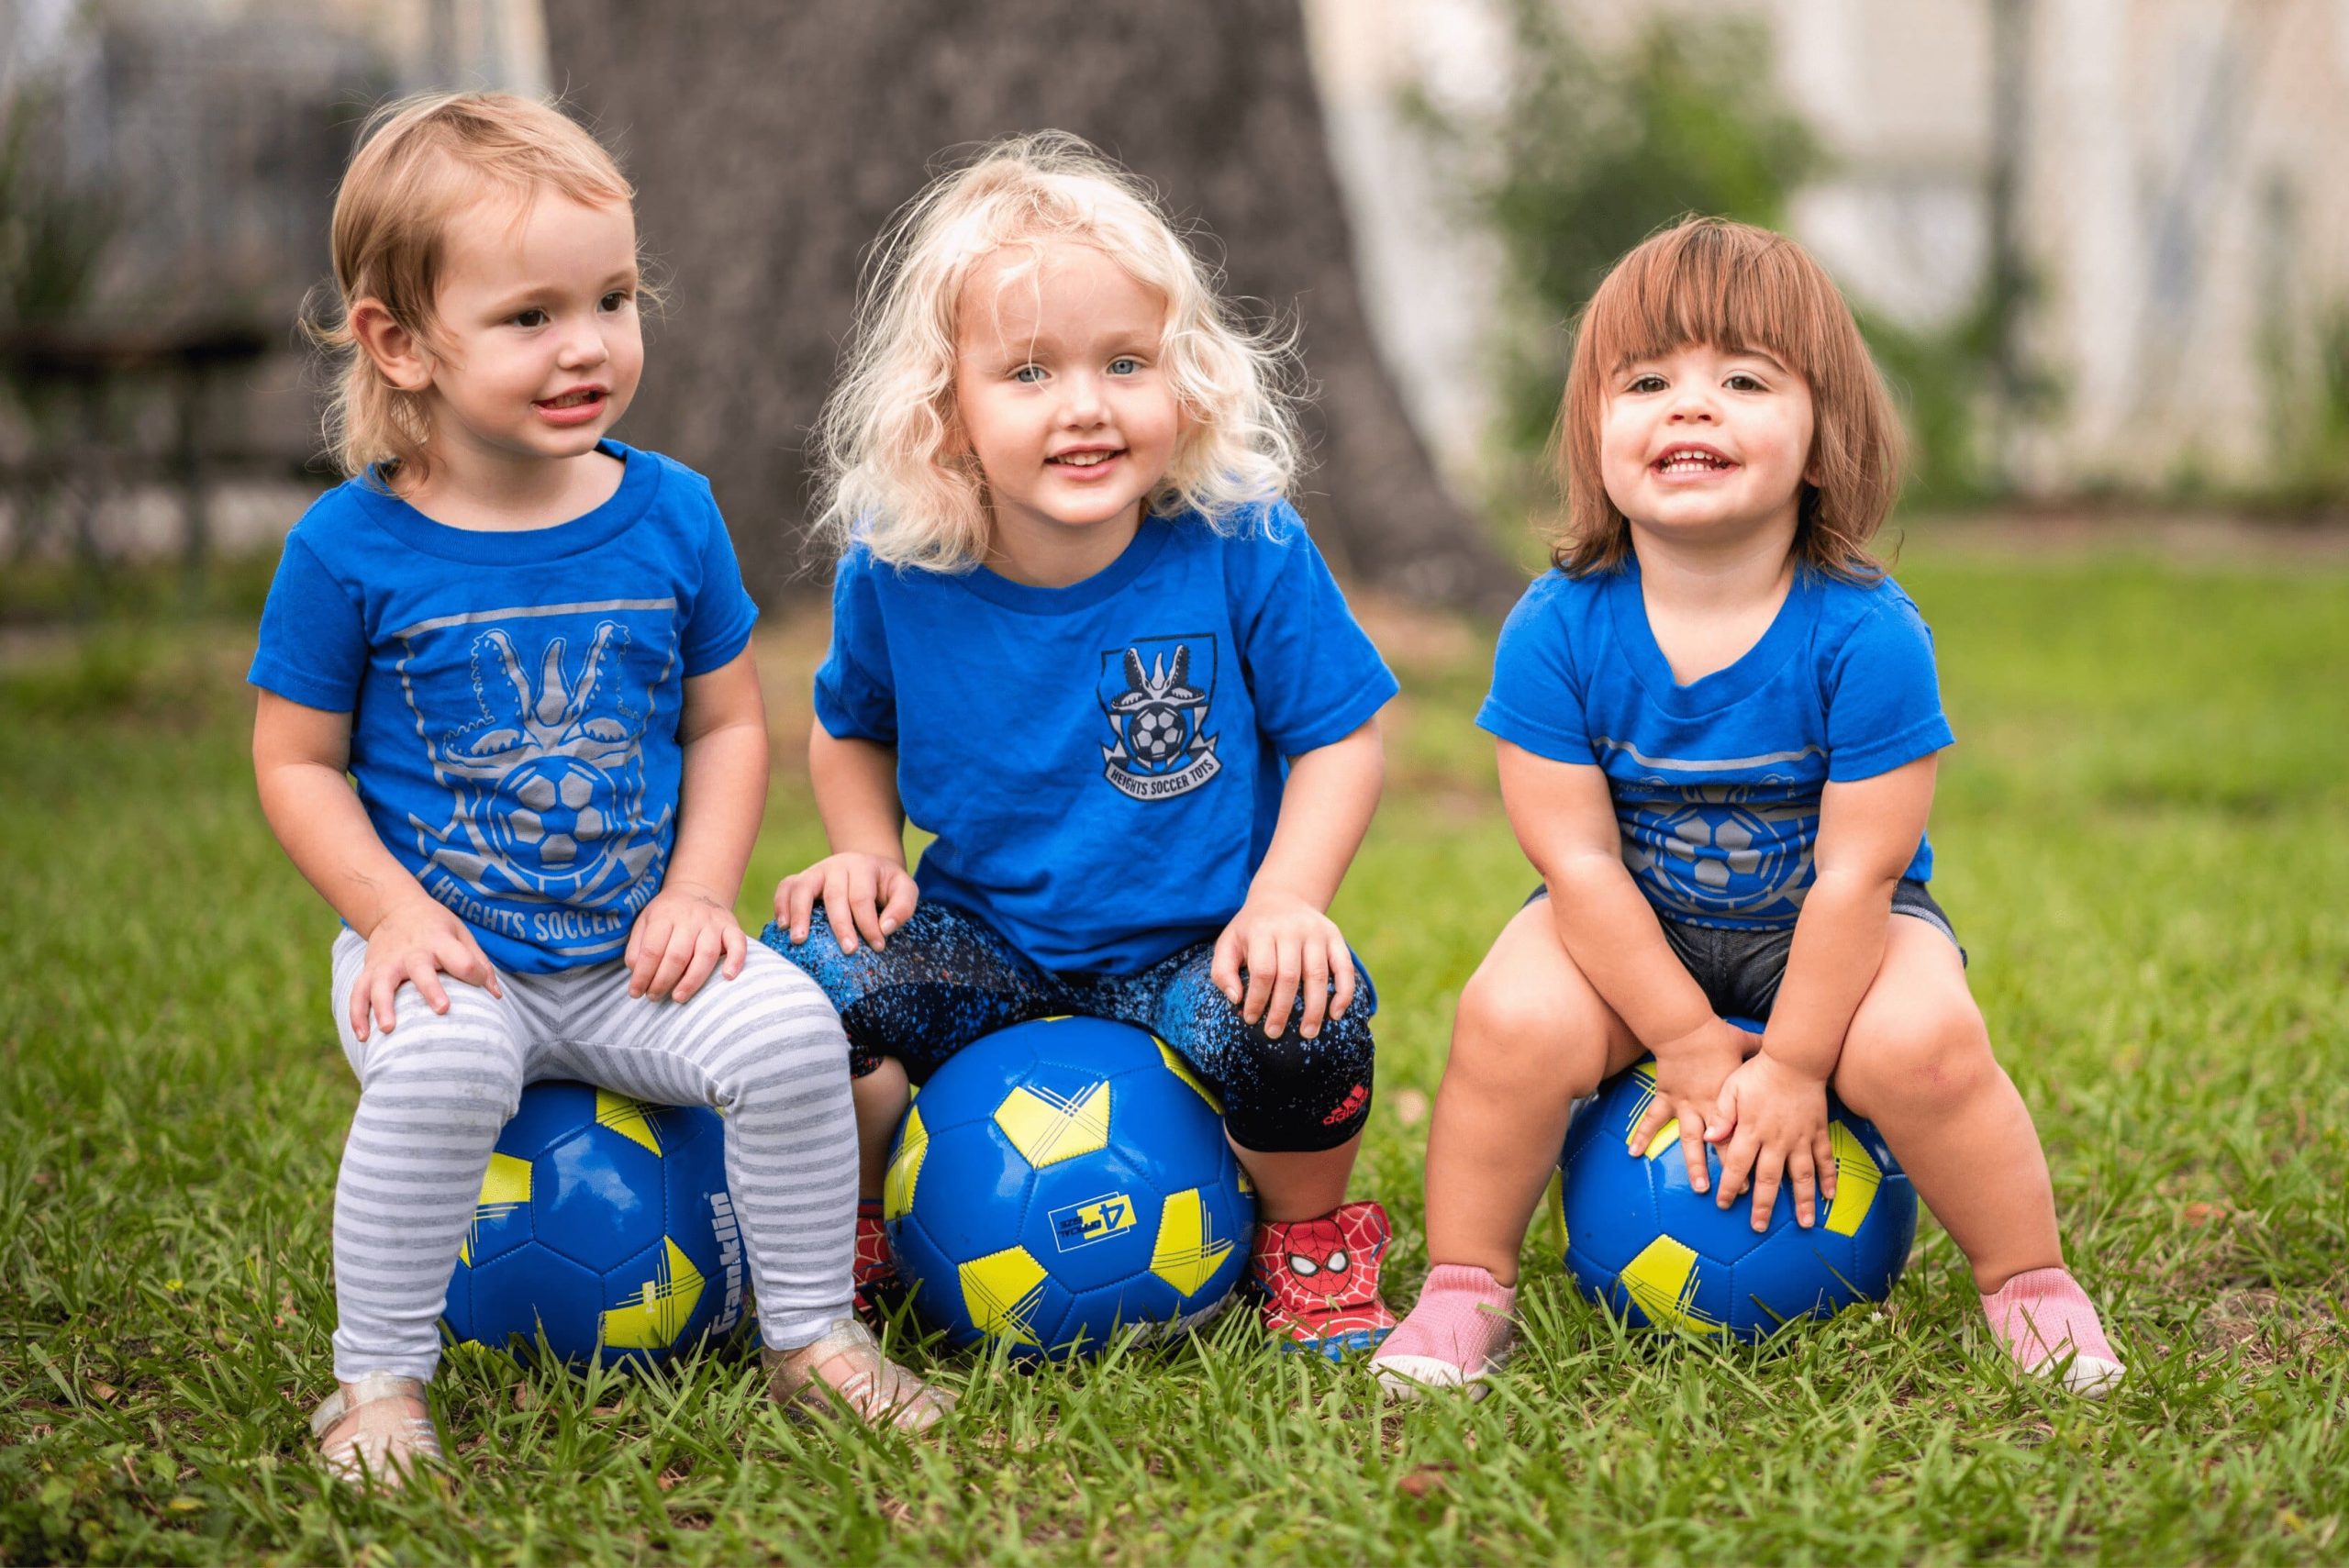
<point>1156,692</point>
<point>546,772</point>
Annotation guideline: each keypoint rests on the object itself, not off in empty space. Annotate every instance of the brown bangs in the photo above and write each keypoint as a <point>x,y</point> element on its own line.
<point>1735,287</point>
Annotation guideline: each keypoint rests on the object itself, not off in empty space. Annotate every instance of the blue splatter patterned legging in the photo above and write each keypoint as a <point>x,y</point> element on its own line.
<point>947,977</point>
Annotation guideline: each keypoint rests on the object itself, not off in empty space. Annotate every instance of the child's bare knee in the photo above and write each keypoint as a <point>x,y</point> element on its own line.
<point>1925,1056</point>
<point>1511,1032</point>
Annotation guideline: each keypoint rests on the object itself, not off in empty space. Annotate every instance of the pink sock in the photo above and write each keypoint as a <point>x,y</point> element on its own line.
<point>2043,1316</point>
<point>1462,1319</point>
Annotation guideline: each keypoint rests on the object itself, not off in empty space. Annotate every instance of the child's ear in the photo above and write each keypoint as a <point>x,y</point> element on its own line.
<point>397,353</point>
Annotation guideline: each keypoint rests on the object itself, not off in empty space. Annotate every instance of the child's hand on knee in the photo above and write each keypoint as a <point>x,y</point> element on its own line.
<point>1279,946</point>
<point>1690,1073</point>
<point>864,896</point>
<point>1773,1117</point>
<point>679,941</point>
<point>416,943</point>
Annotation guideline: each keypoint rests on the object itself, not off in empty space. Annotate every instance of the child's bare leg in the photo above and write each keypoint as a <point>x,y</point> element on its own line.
<point>1917,1061</point>
<point>881,1098</point>
<point>1529,1038</point>
<point>1299,1184</point>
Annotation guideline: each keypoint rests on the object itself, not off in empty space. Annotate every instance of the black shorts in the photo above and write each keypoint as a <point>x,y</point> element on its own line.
<point>1740,970</point>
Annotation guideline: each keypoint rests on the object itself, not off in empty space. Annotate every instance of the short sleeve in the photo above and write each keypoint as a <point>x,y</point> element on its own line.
<point>1884,700</point>
<point>723,612</point>
<point>313,639</point>
<point>1536,700</point>
<point>855,698</point>
<point>1313,673</point>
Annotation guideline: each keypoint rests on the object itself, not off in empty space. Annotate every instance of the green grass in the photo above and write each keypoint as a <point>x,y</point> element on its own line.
<point>2144,840</point>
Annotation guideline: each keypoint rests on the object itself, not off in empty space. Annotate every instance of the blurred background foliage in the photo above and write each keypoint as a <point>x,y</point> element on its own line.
<point>2096,281</point>
<point>1589,150</point>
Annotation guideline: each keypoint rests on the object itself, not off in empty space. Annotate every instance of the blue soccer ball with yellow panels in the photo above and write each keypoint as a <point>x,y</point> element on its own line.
<point>1644,1243</point>
<point>1061,1180</point>
<point>604,1223</point>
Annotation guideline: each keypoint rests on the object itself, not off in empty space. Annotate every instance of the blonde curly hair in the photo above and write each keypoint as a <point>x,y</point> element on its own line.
<point>894,471</point>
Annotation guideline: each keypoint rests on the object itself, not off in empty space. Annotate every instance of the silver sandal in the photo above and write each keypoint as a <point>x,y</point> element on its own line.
<point>845,1370</point>
<point>383,1442</point>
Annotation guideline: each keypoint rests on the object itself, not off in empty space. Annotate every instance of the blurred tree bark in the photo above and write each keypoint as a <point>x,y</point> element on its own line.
<point>771,141</point>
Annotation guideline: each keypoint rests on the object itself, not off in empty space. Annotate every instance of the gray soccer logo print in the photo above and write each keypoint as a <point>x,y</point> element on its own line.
<point>548,778</point>
<point>1159,717</point>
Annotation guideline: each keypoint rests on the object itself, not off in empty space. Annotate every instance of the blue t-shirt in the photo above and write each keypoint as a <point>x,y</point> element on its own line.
<point>1717,784</point>
<point>1102,764</point>
<point>514,697</point>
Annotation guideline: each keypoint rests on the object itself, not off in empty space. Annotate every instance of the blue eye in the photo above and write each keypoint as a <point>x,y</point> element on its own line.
<point>1125,364</point>
<point>1029,374</point>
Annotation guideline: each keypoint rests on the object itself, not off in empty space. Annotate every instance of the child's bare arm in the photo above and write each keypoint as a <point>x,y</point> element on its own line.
<point>863,885</point>
<point>1283,937</point>
<point>300,758</point>
<point>1868,832</point>
<point>688,931</point>
<point>1565,822</point>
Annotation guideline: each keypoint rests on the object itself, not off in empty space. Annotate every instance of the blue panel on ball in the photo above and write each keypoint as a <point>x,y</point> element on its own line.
<point>972,1196</point>
<point>513,1296</point>
<point>1794,1273</point>
<point>549,1112</point>
<point>1096,1317</point>
<point>598,1196</point>
<point>1095,1046</point>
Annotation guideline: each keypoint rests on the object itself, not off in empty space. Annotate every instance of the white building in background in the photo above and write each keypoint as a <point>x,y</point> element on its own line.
<point>2182,201</point>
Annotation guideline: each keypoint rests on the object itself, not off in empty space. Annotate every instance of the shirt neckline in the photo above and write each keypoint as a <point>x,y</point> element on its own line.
<point>515,547</point>
<point>1734,682</point>
<point>1031,600</point>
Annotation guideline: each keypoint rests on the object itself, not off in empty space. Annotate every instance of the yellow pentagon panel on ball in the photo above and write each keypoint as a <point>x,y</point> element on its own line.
<point>1182,1069</point>
<point>627,1118</point>
<point>1188,1253</point>
<point>905,1168</point>
<point>1000,1292</point>
<point>651,1317</point>
<point>1857,1176</point>
<point>505,1187</point>
<point>1663,1280</point>
<point>1048,1128</point>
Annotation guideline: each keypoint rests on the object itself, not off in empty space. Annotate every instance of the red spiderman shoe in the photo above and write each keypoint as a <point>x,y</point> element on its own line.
<point>1321,1279</point>
<point>878,1289</point>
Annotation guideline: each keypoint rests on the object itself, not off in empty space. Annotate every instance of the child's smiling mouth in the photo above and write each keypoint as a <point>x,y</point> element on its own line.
<point>576,407</point>
<point>1690,460</point>
<point>1081,459</point>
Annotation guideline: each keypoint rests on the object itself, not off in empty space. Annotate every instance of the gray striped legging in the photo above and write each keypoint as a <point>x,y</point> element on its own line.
<point>765,1049</point>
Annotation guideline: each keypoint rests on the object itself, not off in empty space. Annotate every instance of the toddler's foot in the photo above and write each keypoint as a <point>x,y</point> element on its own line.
<point>1321,1279</point>
<point>845,1370</point>
<point>376,1430</point>
<point>2047,1323</point>
<point>878,1288</point>
<point>1459,1332</point>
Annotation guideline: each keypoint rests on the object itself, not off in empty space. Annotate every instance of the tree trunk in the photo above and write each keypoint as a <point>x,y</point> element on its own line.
<point>771,141</point>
